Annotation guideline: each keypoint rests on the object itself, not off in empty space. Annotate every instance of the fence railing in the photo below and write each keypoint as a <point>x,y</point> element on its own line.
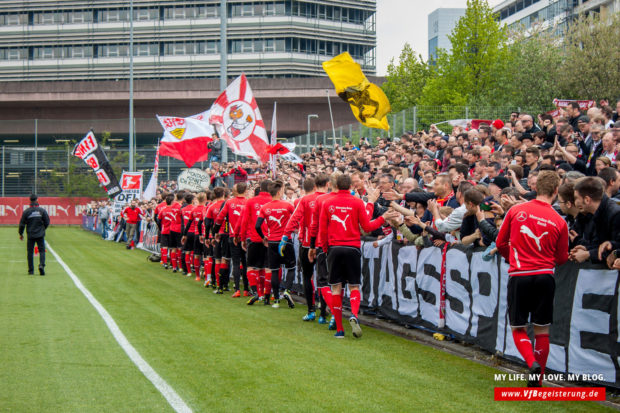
<point>412,119</point>
<point>45,165</point>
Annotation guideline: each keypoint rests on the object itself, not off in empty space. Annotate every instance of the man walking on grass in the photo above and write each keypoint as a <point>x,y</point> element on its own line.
<point>534,240</point>
<point>35,220</point>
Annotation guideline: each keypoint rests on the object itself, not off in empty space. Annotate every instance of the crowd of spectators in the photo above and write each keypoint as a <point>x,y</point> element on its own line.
<point>456,185</point>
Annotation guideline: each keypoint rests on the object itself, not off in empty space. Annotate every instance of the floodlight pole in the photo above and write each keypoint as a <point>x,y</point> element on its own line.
<point>131,125</point>
<point>223,61</point>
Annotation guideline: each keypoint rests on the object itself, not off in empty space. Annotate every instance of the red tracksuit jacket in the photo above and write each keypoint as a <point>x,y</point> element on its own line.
<point>171,218</point>
<point>250,215</point>
<point>533,238</point>
<point>340,219</point>
<point>276,215</point>
<point>233,211</point>
<point>302,218</point>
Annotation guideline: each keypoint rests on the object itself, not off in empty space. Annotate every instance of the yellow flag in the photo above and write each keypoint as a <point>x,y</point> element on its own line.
<point>368,102</point>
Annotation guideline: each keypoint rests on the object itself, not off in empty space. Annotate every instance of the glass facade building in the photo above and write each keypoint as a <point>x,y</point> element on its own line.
<point>550,14</point>
<point>440,25</point>
<point>89,40</point>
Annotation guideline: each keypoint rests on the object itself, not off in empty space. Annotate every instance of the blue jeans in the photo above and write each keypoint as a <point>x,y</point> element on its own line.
<point>104,228</point>
<point>213,158</point>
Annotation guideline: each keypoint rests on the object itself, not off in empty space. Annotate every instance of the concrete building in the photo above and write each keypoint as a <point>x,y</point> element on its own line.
<point>550,14</point>
<point>440,25</point>
<point>66,63</point>
<point>89,40</point>
<point>69,109</point>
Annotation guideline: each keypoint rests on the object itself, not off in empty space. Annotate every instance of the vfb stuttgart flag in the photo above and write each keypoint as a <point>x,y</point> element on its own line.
<point>186,139</point>
<point>238,121</point>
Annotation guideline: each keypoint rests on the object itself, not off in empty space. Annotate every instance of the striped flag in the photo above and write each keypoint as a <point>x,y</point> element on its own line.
<point>186,139</point>
<point>237,120</point>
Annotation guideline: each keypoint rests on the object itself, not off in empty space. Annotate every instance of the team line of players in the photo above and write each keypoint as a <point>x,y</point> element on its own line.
<point>253,236</point>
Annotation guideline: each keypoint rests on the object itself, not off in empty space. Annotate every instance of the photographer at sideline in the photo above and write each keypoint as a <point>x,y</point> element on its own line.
<point>216,149</point>
<point>35,220</point>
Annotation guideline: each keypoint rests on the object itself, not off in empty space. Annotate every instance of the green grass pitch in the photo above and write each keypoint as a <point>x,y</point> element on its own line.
<point>56,353</point>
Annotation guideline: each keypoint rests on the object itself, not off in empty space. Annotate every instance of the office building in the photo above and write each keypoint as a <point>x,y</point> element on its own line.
<point>550,14</point>
<point>441,22</point>
<point>43,40</point>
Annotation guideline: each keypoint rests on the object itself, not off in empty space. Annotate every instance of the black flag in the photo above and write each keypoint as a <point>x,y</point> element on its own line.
<point>89,151</point>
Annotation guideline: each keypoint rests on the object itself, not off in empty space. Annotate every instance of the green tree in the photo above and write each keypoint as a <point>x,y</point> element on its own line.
<point>530,70</point>
<point>405,80</point>
<point>590,69</point>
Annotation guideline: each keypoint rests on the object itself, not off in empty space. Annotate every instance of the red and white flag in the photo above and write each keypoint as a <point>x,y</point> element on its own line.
<point>290,155</point>
<point>236,118</point>
<point>186,139</point>
<point>274,139</point>
<point>285,150</point>
<point>151,189</point>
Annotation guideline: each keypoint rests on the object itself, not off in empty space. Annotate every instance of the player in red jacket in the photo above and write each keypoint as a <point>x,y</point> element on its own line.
<point>253,243</point>
<point>534,239</point>
<point>205,239</point>
<point>171,215</point>
<point>187,239</point>
<point>319,254</point>
<point>157,217</point>
<point>340,220</point>
<point>230,215</point>
<point>302,218</point>
<point>219,254</point>
<point>197,217</point>
<point>275,216</point>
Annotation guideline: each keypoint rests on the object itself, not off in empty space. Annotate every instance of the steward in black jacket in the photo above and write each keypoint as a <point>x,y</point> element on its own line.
<point>35,220</point>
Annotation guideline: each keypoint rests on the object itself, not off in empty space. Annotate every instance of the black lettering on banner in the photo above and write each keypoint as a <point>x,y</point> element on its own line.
<point>591,349</point>
<point>406,273</point>
<point>484,280</point>
<point>388,303</point>
<point>429,296</point>
<point>584,333</point>
<point>371,275</point>
<point>427,285</point>
<point>458,292</point>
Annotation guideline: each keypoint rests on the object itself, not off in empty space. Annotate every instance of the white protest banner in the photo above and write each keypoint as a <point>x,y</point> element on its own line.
<point>193,179</point>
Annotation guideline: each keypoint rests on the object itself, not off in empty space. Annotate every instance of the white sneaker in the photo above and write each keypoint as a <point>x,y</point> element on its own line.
<point>355,326</point>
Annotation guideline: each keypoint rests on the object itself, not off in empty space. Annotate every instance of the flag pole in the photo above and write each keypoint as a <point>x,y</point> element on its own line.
<point>329,102</point>
<point>274,140</point>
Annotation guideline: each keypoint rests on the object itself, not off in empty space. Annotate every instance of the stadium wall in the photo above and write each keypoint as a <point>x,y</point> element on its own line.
<point>62,211</point>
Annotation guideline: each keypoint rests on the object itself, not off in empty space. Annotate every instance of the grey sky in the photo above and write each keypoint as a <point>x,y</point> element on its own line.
<point>402,21</point>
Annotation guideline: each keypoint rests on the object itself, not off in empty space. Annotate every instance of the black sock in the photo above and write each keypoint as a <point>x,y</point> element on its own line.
<point>308,293</point>
<point>275,285</point>
<point>323,306</point>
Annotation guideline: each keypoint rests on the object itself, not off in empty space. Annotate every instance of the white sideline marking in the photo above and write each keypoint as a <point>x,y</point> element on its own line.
<point>160,384</point>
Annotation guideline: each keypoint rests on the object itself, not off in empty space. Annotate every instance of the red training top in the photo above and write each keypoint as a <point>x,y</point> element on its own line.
<point>132,215</point>
<point>197,216</point>
<point>232,211</point>
<point>276,215</point>
<point>302,218</point>
<point>533,238</point>
<point>212,212</point>
<point>171,217</point>
<point>186,213</point>
<point>314,222</point>
<point>250,215</point>
<point>340,219</point>
<point>158,209</point>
